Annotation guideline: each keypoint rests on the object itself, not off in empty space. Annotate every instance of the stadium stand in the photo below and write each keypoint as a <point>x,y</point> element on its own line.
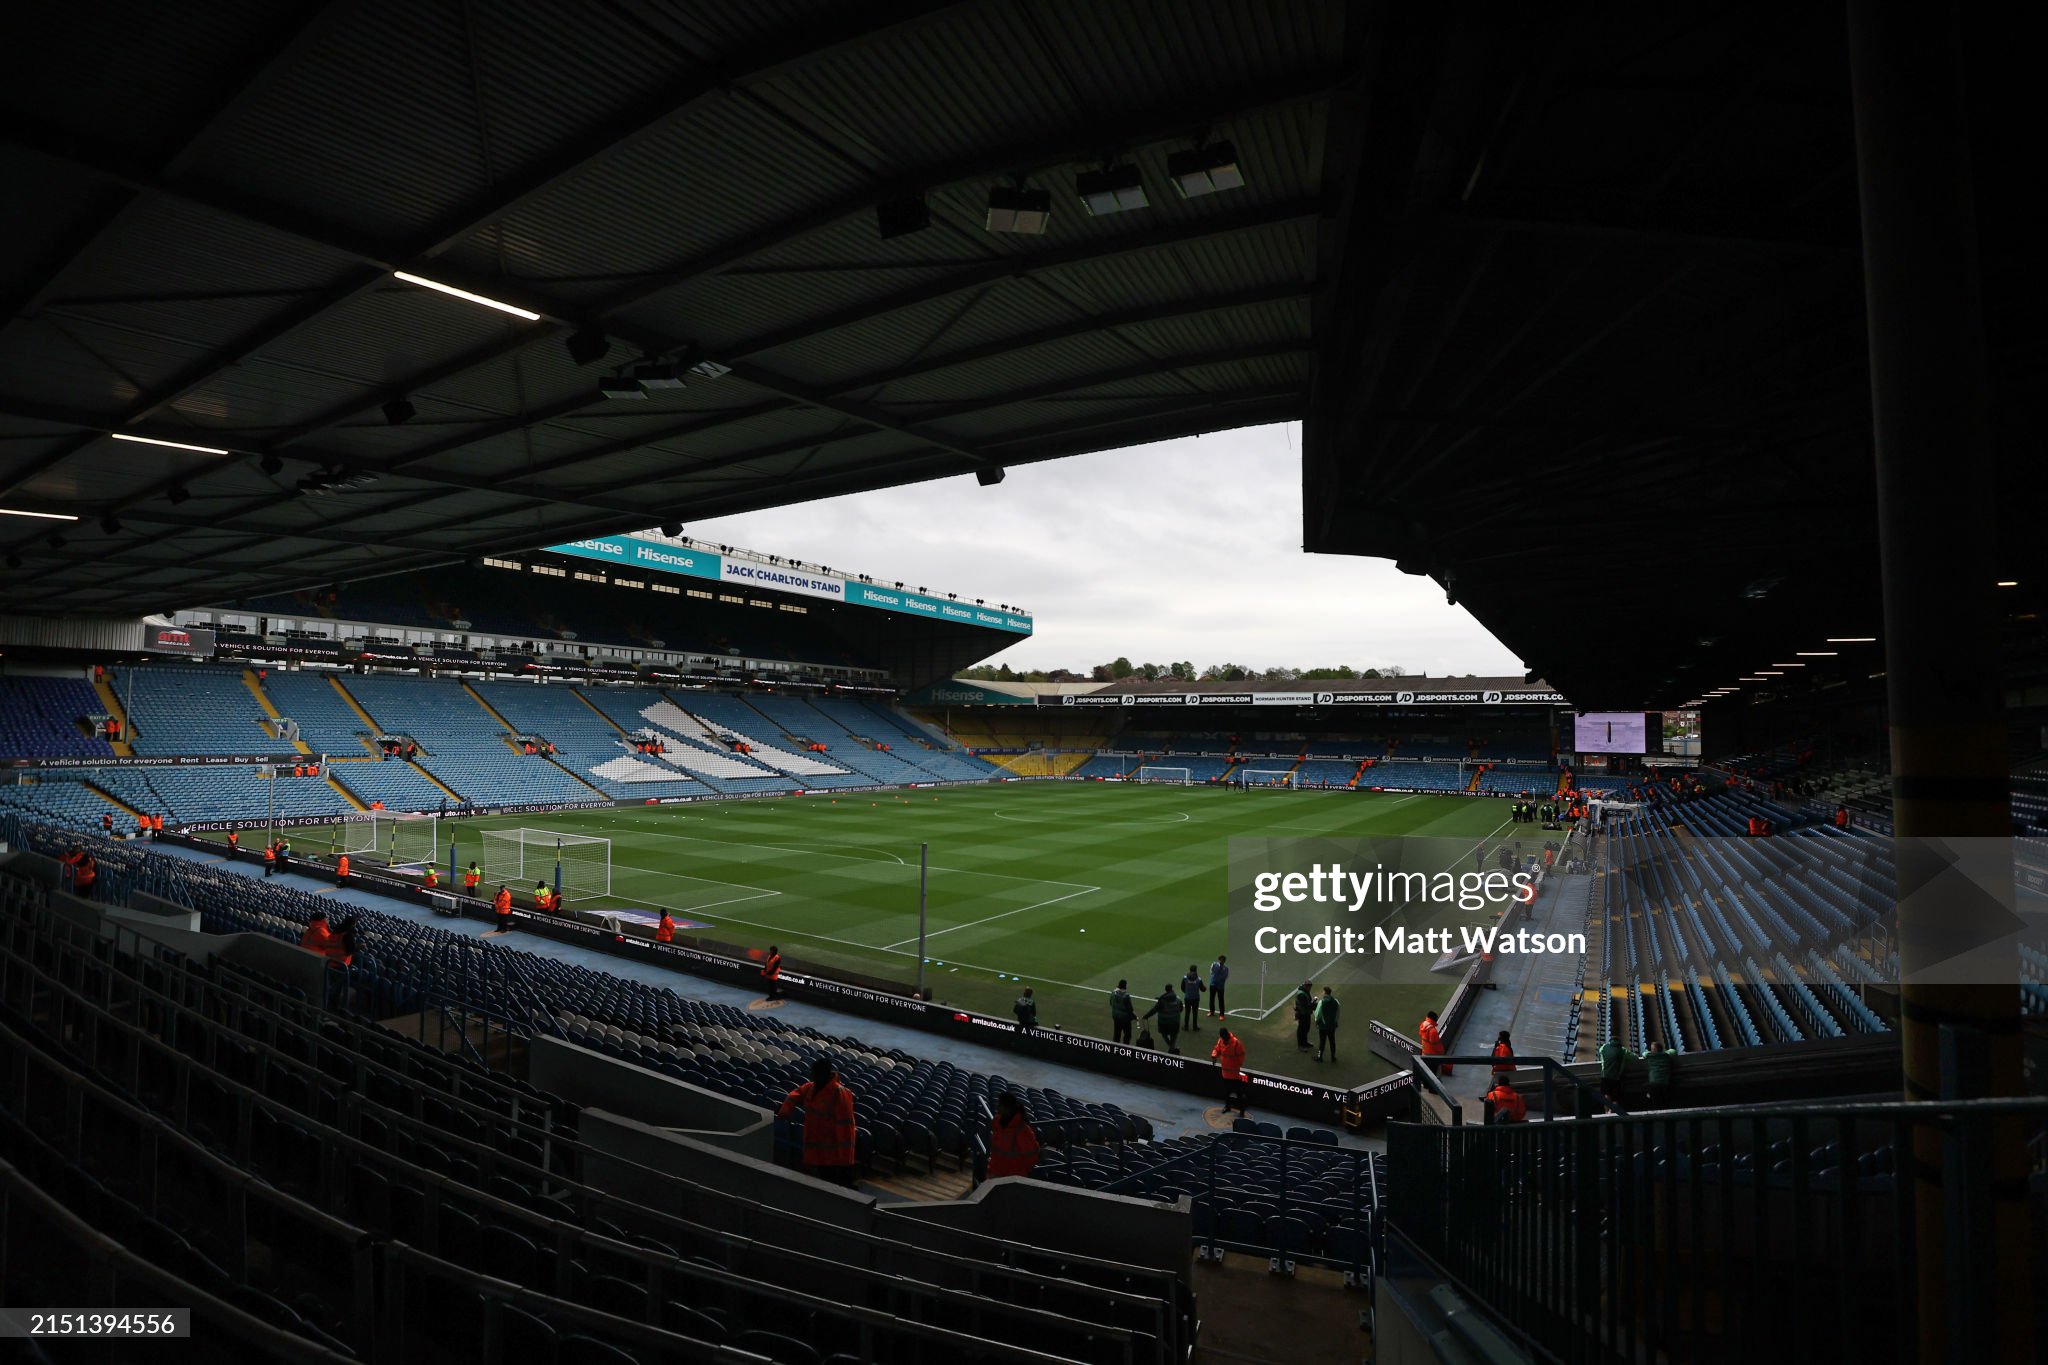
<point>586,742</point>
<point>185,795</point>
<point>327,723</point>
<point>65,800</point>
<point>194,709</point>
<point>690,748</point>
<point>1715,940</point>
<point>1445,777</point>
<point>1290,1193</point>
<point>398,785</point>
<point>464,746</point>
<point>44,718</point>
<point>351,1133</point>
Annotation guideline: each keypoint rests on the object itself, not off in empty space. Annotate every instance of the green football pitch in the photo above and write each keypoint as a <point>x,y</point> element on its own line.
<point>1063,887</point>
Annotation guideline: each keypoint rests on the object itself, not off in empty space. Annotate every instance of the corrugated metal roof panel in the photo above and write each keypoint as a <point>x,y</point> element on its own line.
<point>377,126</point>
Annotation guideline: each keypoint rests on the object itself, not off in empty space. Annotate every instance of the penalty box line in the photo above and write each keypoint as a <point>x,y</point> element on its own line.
<point>757,892</point>
<point>991,919</point>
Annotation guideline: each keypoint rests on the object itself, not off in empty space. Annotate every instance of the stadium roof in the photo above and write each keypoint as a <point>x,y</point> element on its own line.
<point>223,196</point>
<point>1571,303</point>
<point>1600,363</point>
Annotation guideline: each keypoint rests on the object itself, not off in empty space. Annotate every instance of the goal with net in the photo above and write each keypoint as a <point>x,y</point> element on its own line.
<point>1152,774</point>
<point>1268,777</point>
<point>390,838</point>
<point>577,866</point>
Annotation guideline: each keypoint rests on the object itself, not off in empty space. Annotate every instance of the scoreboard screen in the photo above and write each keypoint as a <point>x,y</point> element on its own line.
<point>1610,732</point>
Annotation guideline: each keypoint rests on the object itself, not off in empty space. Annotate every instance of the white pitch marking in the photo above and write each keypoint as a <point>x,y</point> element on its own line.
<point>974,924</point>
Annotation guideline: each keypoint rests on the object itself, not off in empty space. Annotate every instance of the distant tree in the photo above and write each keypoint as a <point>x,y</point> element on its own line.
<point>1394,671</point>
<point>1006,674</point>
<point>1120,667</point>
<point>1100,673</point>
<point>1342,672</point>
<point>1225,673</point>
<point>1152,672</point>
<point>1279,674</point>
<point>980,673</point>
<point>1184,671</point>
<point>1370,673</point>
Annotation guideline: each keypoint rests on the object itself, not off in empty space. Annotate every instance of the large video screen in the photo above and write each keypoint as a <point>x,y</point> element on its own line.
<point>1610,732</point>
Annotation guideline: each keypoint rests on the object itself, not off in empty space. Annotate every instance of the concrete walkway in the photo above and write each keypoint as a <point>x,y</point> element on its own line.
<point>1171,1113</point>
<point>1531,995</point>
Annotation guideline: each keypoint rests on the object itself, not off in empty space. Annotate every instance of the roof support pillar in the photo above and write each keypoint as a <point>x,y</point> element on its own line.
<point>1936,482</point>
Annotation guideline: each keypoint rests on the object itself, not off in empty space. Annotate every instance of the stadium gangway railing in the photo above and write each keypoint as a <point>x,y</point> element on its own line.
<point>783,1231</point>
<point>1767,1233</point>
<point>1561,1085</point>
<point>1363,1185</point>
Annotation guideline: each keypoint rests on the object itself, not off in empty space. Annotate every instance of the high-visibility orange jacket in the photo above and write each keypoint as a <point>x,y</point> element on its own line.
<point>1432,1038</point>
<point>828,1121</point>
<point>1012,1147</point>
<point>270,853</point>
<point>433,877</point>
<point>318,938</point>
<point>471,878</point>
<point>665,932</point>
<point>1508,1107</point>
<point>771,970</point>
<point>1230,1056</point>
<point>156,823</point>
<point>1501,1068</point>
<point>502,903</point>
<point>341,866</point>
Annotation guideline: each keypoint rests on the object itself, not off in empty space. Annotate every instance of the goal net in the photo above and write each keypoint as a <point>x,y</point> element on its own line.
<point>1151,774</point>
<point>1268,777</point>
<point>391,839</point>
<point>579,866</point>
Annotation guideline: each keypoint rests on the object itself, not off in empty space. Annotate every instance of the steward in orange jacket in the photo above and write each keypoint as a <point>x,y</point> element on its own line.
<point>1229,1055</point>
<point>1508,1107</point>
<point>1433,1042</point>
<point>665,931</point>
<point>501,904</point>
<point>1503,1047</point>
<point>318,938</point>
<point>828,1124</point>
<point>1012,1142</point>
<point>771,971</point>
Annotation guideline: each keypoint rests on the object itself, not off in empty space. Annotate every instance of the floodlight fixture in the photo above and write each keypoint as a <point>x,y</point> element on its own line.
<point>1018,210</point>
<point>1113,189</point>
<point>1205,170</point>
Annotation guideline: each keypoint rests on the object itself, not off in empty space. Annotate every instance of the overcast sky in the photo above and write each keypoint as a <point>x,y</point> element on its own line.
<point>1186,549</point>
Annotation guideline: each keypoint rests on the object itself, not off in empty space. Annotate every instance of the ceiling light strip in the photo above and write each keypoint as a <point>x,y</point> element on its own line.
<point>464,294</point>
<point>174,445</point>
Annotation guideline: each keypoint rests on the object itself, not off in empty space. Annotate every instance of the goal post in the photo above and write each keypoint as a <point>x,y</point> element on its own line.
<point>576,866</point>
<point>1149,773</point>
<point>391,838</point>
<point>1268,777</point>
